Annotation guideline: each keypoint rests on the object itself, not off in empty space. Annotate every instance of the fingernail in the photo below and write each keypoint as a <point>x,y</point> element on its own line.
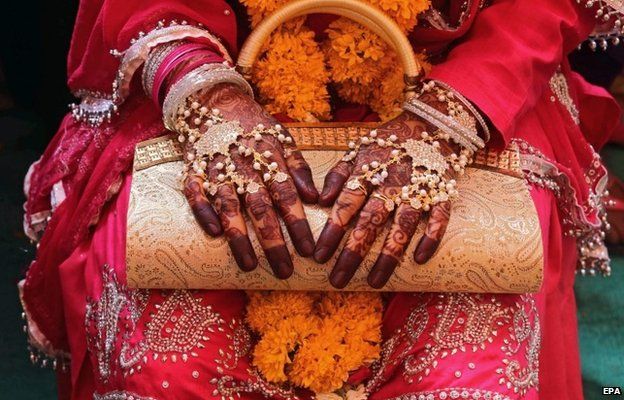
<point>330,187</point>
<point>249,262</point>
<point>425,249</point>
<point>280,262</point>
<point>326,198</point>
<point>325,191</point>
<point>243,253</point>
<point>345,268</point>
<point>376,279</point>
<point>312,195</point>
<point>382,271</point>
<point>301,235</point>
<point>338,280</point>
<point>307,248</point>
<point>214,229</point>
<point>305,183</point>
<point>321,255</point>
<point>328,242</point>
<point>284,270</point>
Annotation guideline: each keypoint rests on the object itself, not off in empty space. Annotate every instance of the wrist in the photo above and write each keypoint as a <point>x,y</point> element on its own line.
<point>199,85</point>
<point>221,94</point>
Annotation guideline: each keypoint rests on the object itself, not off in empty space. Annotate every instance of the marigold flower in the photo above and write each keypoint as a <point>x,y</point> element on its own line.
<point>291,76</point>
<point>266,310</point>
<point>293,73</point>
<point>314,340</point>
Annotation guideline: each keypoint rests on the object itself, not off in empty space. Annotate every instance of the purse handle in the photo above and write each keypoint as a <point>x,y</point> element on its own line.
<point>360,12</point>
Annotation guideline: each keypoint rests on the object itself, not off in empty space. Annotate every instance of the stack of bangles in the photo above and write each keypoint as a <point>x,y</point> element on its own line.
<point>208,134</point>
<point>430,167</point>
<point>189,68</point>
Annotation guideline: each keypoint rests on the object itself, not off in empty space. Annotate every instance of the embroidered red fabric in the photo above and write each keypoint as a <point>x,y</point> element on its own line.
<point>502,58</point>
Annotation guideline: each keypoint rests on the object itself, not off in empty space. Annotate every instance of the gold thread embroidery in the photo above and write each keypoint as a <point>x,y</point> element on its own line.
<point>559,86</point>
<point>460,323</point>
<point>120,395</point>
<point>174,332</point>
<point>453,393</point>
<point>230,388</point>
<point>103,318</point>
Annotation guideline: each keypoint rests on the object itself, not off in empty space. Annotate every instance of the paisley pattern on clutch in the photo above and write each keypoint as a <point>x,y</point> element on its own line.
<point>493,242</point>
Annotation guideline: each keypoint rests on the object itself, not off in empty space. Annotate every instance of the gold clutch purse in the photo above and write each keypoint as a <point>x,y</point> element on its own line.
<point>492,244</point>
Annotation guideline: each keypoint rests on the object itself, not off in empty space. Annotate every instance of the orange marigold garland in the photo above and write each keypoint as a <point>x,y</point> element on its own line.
<point>291,76</point>
<point>258,9</point>
<point>317,339</point>
<point>364,66</point>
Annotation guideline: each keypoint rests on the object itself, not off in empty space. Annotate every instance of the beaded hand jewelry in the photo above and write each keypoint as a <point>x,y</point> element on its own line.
<point>427,187</point>
<point>217,138</point>
<point>428,183</point>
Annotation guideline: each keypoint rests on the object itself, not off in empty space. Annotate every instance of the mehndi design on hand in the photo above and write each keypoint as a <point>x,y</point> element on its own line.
<point>238,156</point>
<point>405,167</point>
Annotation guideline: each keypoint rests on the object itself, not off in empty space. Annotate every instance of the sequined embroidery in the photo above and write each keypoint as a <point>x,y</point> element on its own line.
<point>174,332</point>
<point>463,323</point>
<point>102,320</point>
<point>120,395</point>
<point>96,107</point>
<point>525,328</point>
<point>230,388</point>
<point>453,393</point>
<point>586,222</point>
<point>559,86</point>
<point>226,385</point>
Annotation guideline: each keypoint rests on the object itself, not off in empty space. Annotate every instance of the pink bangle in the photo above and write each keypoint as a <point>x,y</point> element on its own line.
<point>207,59</point>
<point>171,61</point>
<point>196,58</point>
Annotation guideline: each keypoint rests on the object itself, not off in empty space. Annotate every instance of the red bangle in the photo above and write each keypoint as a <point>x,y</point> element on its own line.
<point>206,59</point>
<point>197,58</point>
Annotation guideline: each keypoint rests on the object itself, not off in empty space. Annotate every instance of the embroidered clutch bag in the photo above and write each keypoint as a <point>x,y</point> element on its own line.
<point>492,244</point>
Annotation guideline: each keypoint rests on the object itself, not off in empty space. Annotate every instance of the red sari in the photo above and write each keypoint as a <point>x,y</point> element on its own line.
<point>508,58</point>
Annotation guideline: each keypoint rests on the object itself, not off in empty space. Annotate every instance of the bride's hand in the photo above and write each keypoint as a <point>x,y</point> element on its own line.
<point>275,178</point>
<point>347,189</point>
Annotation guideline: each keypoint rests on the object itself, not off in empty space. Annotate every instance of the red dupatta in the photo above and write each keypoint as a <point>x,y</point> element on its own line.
<point>90,161</point>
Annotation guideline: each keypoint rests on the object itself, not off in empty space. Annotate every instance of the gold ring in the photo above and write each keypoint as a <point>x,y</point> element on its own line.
<point>355,184</point>
<point>279,177</point>
<point>388,202</point>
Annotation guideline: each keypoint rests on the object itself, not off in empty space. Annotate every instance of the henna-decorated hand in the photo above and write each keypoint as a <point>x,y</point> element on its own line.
<point>377,206</point>
<point>220,210</point>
